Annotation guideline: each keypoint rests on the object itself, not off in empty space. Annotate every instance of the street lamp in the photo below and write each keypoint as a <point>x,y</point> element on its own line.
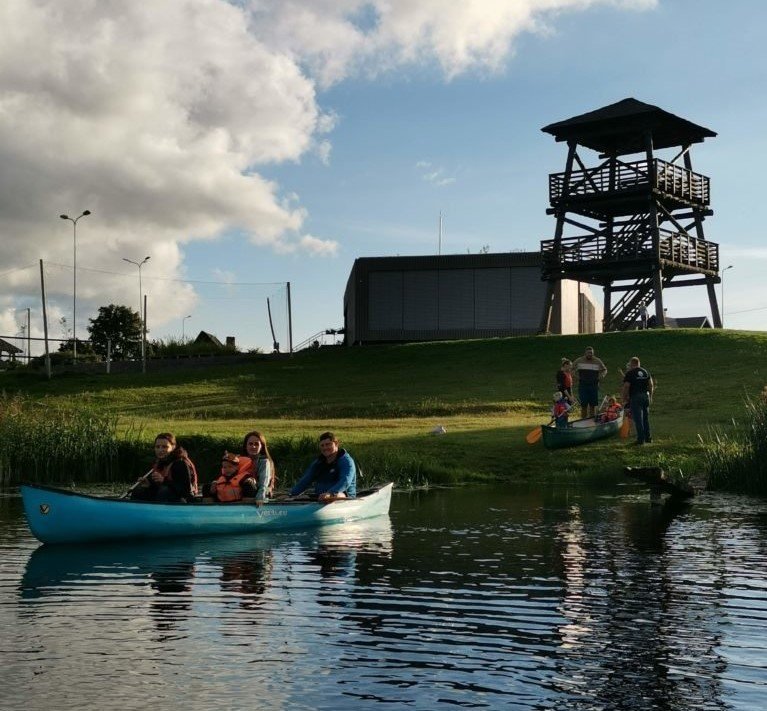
<point>74,220</point>
<point>140,298</point>
<point>183,332</point>
<point>722,287</point>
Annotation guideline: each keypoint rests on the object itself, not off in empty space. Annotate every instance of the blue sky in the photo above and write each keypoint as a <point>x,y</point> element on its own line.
<point>355,145</point>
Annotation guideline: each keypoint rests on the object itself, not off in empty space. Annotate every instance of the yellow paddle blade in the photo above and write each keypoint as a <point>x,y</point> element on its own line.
<point>625,426</point>
<point>534,435</point>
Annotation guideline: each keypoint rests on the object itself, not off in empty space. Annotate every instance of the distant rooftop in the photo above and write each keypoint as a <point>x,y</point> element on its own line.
<point>620,128</point>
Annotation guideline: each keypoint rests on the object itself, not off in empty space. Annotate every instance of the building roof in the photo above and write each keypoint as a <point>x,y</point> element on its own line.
<point>205,337</point>
<point>6,347</point>
<point>689,322</point>
<point>620,128</point>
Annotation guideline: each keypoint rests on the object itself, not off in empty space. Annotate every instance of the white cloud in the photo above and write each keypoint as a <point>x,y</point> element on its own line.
<point>433,174</point>
<point>317,246</point>
<point>158,117</point>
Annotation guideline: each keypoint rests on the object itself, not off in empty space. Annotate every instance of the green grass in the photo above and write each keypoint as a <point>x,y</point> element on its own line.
<point>384,400</point>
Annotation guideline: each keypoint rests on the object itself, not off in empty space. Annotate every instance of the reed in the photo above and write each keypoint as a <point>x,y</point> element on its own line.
<point>736,456</point>
<point>44,443</point>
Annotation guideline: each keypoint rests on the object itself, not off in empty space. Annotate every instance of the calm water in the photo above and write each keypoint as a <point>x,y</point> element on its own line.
<point>546,597</point>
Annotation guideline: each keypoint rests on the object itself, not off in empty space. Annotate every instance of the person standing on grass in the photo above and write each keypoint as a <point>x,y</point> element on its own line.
<point>590,371</point>
<point>565,380</point>
<point>638,387</point>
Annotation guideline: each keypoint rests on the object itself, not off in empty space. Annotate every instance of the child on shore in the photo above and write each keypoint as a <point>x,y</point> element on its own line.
<point>560,409</point>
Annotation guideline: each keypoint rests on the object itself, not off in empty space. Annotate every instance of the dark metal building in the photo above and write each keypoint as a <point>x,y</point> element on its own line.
<point>428,298</point>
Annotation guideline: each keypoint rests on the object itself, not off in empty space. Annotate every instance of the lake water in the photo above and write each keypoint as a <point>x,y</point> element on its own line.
<point>553,596</point>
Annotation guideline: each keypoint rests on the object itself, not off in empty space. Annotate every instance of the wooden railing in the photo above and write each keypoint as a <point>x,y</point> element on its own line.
<point>676,247</point>
<point>666,177</point>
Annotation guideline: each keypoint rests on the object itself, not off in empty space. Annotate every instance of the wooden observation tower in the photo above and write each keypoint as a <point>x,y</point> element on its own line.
<point>639,222</point>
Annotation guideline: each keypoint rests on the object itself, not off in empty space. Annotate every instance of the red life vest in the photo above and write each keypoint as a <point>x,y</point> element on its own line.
<point>227,490</point>
<point>164,471</point>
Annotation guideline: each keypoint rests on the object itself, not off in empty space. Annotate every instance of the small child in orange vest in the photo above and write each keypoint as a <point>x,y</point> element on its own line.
<point>560,409</point>
<point>610,410</point>
<point>235,481</point>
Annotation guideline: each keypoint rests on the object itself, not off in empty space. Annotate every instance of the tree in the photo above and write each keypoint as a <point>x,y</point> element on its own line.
<point>122,326</point>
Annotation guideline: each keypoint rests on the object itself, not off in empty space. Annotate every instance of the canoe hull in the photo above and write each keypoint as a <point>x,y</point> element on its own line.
<point>58,516</point>
<point>579,432</point>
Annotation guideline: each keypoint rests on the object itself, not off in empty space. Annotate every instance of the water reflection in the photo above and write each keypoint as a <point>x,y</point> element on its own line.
<point>526,597</point>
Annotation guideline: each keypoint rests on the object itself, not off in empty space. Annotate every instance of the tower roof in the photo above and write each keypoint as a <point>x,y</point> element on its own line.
<point>620,128</point>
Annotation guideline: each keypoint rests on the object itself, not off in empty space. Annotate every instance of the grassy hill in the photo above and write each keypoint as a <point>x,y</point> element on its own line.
<point>384,400</point>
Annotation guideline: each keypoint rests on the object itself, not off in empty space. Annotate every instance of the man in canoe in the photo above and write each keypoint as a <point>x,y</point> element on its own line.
<point>638,387</point>
<point>333,472</point>
<point>590,371</point>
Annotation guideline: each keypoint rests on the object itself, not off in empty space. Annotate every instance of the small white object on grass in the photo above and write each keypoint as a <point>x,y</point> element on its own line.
<point>439,430</point>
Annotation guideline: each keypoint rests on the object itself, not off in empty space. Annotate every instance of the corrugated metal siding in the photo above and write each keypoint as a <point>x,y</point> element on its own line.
<point>456,299</point>
<point>421,301</point>
<point>527,295</point>
<point>445,297</point>
<point>385,295</point>
<point>492,299</point>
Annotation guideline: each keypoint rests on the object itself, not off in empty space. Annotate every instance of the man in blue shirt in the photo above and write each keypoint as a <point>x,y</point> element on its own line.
<point>333,473</point>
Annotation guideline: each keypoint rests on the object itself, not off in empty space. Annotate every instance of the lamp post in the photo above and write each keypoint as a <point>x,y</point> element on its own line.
<point>722,280</point>
<point>74,221</point>
<point>140,298</point>
<point>183,332</point>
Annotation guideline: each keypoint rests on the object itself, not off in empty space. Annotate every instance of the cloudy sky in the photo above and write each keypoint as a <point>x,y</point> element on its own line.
<point>249,143</point>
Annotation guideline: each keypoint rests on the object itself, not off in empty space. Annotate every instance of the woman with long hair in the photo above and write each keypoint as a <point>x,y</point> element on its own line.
<point>262,467</point>
<point>173,476</point>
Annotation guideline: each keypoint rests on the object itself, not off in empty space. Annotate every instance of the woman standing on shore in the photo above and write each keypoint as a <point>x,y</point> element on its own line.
<point>565,380</point>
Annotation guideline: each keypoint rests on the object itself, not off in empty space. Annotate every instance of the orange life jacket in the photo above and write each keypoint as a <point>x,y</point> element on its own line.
<point>227,490</point>
<point>611,413</point>
<point>164,471</point>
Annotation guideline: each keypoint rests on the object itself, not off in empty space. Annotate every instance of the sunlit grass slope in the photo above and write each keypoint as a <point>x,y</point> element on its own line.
<point>384,400</point>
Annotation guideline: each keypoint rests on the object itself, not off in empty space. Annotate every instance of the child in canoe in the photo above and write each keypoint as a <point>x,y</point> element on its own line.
<point>236,480</point>
<point>609,411</point>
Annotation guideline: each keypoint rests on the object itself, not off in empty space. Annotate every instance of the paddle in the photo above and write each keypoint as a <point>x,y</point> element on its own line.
<point>137,484</point>
<point>625,425</point>
<point>534,435</point>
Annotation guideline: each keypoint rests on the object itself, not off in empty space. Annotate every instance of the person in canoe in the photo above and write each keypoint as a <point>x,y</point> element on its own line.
<point>262,467</point>
<point>565,379</point>
<point>333,472</point>
<point>235,482</point>
<point>610,411</point>
<point>560,409</point>
<point>173,476</point>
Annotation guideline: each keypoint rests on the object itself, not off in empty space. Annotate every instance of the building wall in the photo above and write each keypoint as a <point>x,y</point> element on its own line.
<point>451,297</point>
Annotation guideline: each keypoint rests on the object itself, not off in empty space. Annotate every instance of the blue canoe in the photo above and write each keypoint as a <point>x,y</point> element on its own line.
<point>59,516</point>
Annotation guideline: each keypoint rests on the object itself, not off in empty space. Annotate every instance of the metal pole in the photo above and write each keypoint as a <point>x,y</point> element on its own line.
<point>45,323</point>
<point>109,355</point>
<point>29,337</point>
<point>290,322</point>
<point>140,295</point>
<point>74,220</point>
<point>143,339</point>
<point>723,271</point>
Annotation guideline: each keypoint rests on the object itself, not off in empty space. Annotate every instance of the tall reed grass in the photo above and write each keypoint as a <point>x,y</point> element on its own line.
<point>44,443</point>
<point>736,457</point>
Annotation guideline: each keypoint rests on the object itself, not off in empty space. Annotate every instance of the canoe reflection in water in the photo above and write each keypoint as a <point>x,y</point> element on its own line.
<point>175,576</point>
